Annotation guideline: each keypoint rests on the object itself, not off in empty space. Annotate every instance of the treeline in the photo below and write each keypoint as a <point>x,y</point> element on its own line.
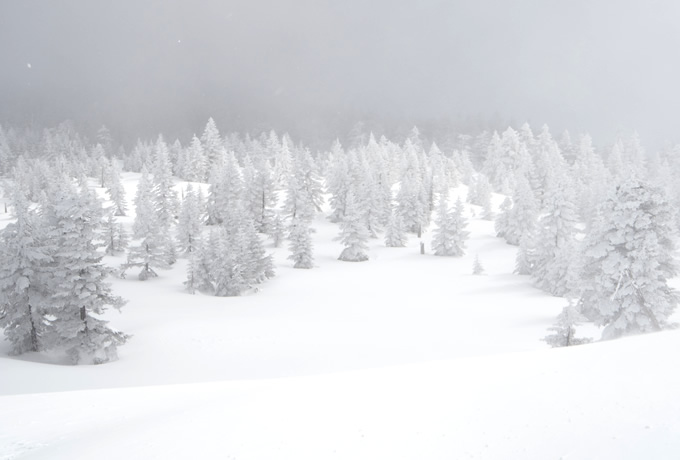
<point>588,223</point>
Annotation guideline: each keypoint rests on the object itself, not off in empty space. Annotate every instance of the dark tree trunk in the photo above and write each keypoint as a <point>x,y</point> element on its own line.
<point>34,332</point>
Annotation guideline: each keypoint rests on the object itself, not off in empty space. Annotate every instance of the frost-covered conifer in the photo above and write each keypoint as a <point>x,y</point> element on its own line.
<point>115,190</point>
<point>460,168</point>
<point>144,206</point>
<point>201,261</point>
<point>338,182</point>
<point>139,156</point>
<point>305,171</point>
<point>115,237</point>
<point>450,236</point>
<point>26,255</point>
<point>501,224</point>
<point>191,282</point>
<point>275,229</point>
<point>556,255</point>
<point>231,261</point>
<point>521,218</point>
<point>634,153</point>
<point>283,162</point>
<point>6,157</point>
<point>99,165</point>
<point>79,292</point>
<point>592,181</point>
<point>259,195</point>
<point>564,329</point>
<point>196,165</point>
<point>175,151</point>
<point>525,261</point>
<point>479,194</point>
<point>353,233</point>
<point>409,199</point>
<point>164,195</point>
<point>212,144</point>
<point>628,261</point>
<point>494,167</point>
<point>259,265</point>
<point>395,234</point>
<point>190,221</point>
<point>298,204</point>
<point>617,167</point>
<point>153,251</point>
<point>228,270</point>
<point>477,267</point>
<point>155,248</point>
<point>548,165</point>
<point>301,244</point>
<point>226,191</point>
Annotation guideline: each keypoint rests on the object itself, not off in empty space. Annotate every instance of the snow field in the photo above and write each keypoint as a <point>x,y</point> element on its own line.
<point>403,356</point>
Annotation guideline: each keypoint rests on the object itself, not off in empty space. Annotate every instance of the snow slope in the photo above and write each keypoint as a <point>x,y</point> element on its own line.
<point>403,356</point>
<point>615,400</point>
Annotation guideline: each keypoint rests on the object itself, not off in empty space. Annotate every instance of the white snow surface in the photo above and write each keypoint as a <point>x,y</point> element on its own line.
<point>404,356</point>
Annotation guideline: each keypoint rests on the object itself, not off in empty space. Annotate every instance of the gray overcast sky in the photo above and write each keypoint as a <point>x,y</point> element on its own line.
<point>145,66</point>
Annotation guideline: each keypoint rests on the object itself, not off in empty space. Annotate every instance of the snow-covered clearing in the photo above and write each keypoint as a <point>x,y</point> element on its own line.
<point>403,356</point>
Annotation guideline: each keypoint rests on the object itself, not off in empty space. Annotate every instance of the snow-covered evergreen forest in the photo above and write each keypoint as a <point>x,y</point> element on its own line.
<point>591,229</point>
<point>595,226</point>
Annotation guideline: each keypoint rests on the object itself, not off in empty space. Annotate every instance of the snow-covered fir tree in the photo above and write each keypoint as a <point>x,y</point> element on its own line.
<point>592,180</point>
<point>353,233</point>
<point>338,182</point>
<point>154,248</point>
<point>79,292</point>
<point>212,144</point>
<point>301,244</point>
<point>283,162</point>
<point>226,190</point>
<point>521,218</point>
<point>556,259</point>
<point>395,234</point>
<point>525,261</point>
<point>6,156</point>
<point>164,196</point>
<point>191,220</point>
<point>115,190</point>
<point>228,273</point>
<point>307,176</point>
<point>144,205</point>
<point>450,235</point>
<point>199,275</point>
<point>191,282</point>
<point>259,194</point>
<point>628,261</point>
<point>479,194</point>
<point>275,229</point>
<point>298,204</point>
<point>231,261</point>
<point>501,223</point>
<point>116,239</point>
<point>259,264</point>
<point>564,330</point>
<point>548,164</point>
<point>150,253</point>
<point>194,168</point>
<point>495,168</point>
<point>411,197</point>
<point>26,255</point>
<point>98,165</point>
<point>477,267</point>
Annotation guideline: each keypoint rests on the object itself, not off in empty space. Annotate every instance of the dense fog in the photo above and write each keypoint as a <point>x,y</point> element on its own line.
<point>314,68</point>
